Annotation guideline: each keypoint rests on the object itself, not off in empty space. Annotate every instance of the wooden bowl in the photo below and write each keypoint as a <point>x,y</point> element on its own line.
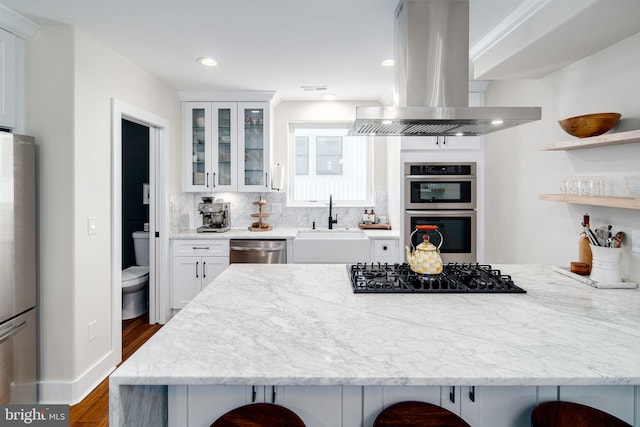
<point>590,124</point>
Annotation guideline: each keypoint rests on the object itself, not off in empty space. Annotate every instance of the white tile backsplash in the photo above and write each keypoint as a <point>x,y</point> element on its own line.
<point>184,211</point>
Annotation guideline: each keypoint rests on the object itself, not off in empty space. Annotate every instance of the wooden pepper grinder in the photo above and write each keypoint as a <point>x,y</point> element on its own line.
<point>584,246</point>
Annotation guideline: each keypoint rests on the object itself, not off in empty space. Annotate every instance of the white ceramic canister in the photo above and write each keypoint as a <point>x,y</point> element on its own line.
<point>605,267</point>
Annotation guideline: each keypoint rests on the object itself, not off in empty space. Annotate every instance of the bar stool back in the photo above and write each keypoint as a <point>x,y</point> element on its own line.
<point>569,414</point>
<point>259,415</point>
<point>417,414</point>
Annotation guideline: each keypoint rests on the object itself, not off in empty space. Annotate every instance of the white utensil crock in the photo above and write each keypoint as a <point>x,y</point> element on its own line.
<point>605,267</point>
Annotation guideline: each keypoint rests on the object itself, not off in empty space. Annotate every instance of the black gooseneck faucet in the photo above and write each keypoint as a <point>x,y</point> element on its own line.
<point>331,220</point>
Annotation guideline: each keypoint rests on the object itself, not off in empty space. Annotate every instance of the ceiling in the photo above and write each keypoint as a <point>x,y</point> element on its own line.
<point>278,45</point>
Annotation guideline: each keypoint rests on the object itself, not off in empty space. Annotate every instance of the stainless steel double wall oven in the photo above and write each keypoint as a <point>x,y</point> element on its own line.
<point>443,194</point>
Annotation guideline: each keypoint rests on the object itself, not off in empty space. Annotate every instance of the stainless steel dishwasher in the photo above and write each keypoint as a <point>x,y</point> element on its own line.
<point>258,251</point>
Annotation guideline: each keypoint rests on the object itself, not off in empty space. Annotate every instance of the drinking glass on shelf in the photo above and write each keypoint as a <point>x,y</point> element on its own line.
<point>569,185</point>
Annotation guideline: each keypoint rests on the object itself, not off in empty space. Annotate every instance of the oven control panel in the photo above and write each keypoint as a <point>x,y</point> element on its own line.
<point>440,169</point>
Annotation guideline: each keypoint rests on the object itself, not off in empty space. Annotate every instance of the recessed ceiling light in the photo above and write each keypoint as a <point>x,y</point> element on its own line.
<point>329,96</point>
<point>209,62</point>
<point>386,122</point>
<point>496,122</point>
<point>388,63</point>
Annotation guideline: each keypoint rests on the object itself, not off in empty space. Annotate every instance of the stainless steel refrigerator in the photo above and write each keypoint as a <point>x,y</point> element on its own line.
<point>18,346</point>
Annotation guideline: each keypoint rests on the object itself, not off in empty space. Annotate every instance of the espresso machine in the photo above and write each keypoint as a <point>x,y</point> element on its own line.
<point>215,216</point>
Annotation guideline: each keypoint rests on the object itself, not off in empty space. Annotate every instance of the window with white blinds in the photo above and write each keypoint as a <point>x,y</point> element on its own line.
<point>326,161</point>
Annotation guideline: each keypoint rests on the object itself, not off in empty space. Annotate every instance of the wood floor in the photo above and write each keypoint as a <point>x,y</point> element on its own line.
<point>94,409</point>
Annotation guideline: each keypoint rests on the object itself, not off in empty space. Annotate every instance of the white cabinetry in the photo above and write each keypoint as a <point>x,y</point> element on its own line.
<point>226,146</point>
<point>195,263</point>
<point>479,406</point>
<point>7,79</point>
<point>318,406</point>
<point>385,250</point>
<point>617,400</point>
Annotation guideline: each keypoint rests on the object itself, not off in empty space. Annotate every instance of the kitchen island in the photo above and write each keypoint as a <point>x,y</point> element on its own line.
<point>259,327</point>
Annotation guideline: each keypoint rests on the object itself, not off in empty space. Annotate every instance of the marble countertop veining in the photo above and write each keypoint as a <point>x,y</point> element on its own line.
<point>291,324</point>
<point>276,233</point>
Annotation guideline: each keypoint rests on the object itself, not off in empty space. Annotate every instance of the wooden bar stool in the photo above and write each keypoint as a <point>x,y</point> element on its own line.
<point>259,415</point>
<point>417,414</point>
<point>569,414</point>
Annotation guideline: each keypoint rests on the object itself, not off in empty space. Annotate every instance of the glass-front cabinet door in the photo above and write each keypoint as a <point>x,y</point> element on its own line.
<point>253,148</point>
<point>197,147</point>
<point>225,146</point>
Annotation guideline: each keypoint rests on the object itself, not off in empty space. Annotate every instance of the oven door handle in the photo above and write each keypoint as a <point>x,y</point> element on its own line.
<point>440,177</point>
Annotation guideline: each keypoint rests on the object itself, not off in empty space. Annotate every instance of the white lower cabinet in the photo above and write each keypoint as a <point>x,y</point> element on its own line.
<point>478,406</point>
<point>317,406</point>
<point>617,400</point>
<point>194,264</point>
<point>385,250</point>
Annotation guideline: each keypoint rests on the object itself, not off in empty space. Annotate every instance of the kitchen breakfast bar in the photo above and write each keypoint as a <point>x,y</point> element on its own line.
<point>298,335</point>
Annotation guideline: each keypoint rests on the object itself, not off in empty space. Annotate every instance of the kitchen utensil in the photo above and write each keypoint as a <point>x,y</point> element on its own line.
<point>589,124</point>
<point>425,258</point>
<point>619,238</point>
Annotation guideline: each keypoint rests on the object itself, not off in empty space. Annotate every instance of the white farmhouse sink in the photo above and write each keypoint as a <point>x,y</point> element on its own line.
<point>338,246</point>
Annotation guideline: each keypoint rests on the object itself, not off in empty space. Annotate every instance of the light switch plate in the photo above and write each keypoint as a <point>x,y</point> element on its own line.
<point>635,241</point>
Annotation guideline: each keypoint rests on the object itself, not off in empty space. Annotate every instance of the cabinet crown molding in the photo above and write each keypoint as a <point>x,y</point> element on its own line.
<point>16,23</point>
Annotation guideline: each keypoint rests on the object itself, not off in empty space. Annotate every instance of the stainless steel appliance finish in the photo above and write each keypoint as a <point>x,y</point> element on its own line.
<point>458,228</point>
<point>440,185</point>
<point>258,251</point>
<point>442,194</point>
<point>18,346</point>
<point>216,217</point>
<point>432,78</point>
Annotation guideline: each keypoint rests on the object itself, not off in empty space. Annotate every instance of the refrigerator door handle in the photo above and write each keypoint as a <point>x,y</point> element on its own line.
<point>12,331</point>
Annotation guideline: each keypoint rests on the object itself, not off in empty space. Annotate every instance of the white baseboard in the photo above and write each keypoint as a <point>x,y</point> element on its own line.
<point>72,392</point>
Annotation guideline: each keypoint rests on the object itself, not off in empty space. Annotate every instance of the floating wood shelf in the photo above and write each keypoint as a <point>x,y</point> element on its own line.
<point>614,202</point>
<point>595,141</point>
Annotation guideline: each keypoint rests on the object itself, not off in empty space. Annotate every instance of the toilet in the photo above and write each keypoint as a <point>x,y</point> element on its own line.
<point>135,279</point>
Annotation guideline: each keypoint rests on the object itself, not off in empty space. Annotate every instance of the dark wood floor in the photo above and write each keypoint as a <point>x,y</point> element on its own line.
<point>94,409</point>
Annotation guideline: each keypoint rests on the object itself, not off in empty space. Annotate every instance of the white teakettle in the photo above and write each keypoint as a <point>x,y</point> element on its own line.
<point>425,258</point>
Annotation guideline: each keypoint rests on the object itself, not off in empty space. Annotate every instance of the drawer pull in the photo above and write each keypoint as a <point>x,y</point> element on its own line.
<point>201,248</point>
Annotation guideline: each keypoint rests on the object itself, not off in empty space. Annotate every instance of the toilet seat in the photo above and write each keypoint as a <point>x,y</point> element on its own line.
<point>134,277</point>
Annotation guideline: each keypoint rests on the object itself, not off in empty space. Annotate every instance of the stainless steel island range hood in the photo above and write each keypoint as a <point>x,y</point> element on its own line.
<point>432,79</point>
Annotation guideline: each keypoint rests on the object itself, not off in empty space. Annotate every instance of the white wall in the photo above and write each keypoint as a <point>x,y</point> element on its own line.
<point>519,227</point>
<point>70,115</point>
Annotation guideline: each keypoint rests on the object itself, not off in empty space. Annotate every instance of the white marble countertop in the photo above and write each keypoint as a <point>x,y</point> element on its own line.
<point>276,233</point>
<point>303,325</point>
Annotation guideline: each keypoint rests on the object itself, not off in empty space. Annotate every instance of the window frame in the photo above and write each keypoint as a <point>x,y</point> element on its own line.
<point>291,174</point>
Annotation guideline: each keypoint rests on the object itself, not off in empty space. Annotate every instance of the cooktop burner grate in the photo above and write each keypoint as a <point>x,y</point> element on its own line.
<point>455,278</point>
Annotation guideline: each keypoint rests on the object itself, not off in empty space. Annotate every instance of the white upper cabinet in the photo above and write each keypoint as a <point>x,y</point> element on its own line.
<point>226,146</point>
<point>7,79</point>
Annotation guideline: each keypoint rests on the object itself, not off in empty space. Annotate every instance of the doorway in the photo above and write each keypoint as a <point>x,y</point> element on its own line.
<point>154,130</point>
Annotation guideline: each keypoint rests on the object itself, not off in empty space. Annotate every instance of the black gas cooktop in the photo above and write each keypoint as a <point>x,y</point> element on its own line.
<point>455,278</point>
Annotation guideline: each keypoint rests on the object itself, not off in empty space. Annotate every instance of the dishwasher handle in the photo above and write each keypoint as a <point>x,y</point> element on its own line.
<point>255,249</point>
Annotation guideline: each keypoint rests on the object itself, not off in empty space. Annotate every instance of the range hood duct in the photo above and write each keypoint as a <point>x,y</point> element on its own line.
<point>432,79</point>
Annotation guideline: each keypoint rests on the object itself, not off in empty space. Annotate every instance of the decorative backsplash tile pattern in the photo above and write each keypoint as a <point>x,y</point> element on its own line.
<point>184,211</point>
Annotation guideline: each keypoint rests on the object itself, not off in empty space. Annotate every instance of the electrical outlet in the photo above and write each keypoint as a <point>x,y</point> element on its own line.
<point>91,225</point>
<point>635,241</point>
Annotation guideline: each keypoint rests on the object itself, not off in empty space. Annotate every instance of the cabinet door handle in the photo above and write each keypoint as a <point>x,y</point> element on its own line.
<point>207,179</point>
<point>472,393</point>
<point>204,269</point>
<point>197,262</point>
<point>214,180</point>
<point>266,179</point>
<point>253,394</point>
<point>452,394</point>
<point>273,394</point>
